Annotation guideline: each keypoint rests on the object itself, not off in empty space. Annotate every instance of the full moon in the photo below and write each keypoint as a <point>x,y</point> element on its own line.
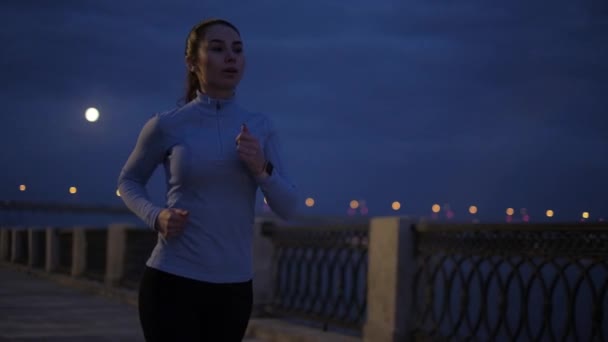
<point>92,114</point>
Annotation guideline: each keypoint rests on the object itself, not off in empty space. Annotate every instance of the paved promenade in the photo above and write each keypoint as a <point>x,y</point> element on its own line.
<point>37,309</point>
<point>41,309</point>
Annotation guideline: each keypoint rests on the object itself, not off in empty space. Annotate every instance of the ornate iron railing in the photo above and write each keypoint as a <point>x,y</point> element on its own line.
<point>23,245</point>
<point>6,255</point>
<point>96,240</point>
<point>505,283</point>
<point>138,246</point>
<point>321,274</point>
<point>39,239</point>
<point>65,238</point>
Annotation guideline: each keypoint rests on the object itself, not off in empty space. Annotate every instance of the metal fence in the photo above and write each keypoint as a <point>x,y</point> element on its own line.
<point>96,241</point>
<point>65,238</point>
<point>68,215</point>
<point>321,274</point>
<point>24,246</point>
<point>9,245</point>
<point>138,246</point>
<point>504,283</point>
<point>39,244</point>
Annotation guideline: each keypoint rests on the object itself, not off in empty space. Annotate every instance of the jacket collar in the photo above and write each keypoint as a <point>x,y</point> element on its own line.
<point>214,105</point>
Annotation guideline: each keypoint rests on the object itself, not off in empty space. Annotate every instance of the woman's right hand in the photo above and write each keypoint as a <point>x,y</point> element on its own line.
<point>171,222</point>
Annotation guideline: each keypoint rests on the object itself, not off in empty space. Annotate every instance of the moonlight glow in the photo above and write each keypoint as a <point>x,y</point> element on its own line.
<point>92,114</point>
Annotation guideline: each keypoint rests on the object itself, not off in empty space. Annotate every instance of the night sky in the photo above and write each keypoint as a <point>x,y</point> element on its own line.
<point>493,103</point>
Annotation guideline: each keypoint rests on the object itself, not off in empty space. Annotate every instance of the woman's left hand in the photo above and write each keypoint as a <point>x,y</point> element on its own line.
<point>250,151</point>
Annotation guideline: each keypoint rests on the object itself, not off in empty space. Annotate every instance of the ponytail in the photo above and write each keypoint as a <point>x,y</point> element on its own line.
<point>191,86</point>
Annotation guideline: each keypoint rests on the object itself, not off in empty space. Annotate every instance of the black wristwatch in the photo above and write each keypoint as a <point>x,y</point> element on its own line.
<point>268,168</point>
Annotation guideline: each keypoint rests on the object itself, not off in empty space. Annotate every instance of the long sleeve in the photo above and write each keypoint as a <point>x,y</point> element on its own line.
<point>279,191</point>
<point>145,157</point>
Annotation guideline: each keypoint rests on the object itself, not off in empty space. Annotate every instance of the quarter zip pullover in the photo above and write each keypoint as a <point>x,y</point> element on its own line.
<point>204,175</point>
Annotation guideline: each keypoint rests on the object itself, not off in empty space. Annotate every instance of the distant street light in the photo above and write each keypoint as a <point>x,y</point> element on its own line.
<point>396,205</point>
<point>73,190</point>
<point>436,208</point>
<point>22,187</point>
<point>92,114</point>
<point>585,215</point>
<point>310,202</point>
<point>354,204</point>
<point>550,213</point>
<point>473,210</point>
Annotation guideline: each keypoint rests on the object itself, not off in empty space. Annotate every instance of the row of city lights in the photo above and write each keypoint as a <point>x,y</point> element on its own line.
<point>436,209</point>
<point>72,190</point>
<point>396,206</point>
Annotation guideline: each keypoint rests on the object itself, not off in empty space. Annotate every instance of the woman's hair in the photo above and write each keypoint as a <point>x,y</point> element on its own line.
<point>195,37</point>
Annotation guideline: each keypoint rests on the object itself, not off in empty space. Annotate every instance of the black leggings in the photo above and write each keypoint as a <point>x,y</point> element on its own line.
<point>173,308</point>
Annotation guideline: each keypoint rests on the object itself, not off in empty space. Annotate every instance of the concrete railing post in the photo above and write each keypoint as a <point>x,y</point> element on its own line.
<point>5,243</point>
<point>263,282</point>
<point>52,250</point>
<point>79,252</point>
<point>390,280</point>
<point>115,253</point>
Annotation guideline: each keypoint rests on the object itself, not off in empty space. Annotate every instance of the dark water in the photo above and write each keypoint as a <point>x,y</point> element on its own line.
<point>67,219</point>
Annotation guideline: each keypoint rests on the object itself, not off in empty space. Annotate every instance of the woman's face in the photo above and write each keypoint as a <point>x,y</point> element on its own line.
<point>220,60</point>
